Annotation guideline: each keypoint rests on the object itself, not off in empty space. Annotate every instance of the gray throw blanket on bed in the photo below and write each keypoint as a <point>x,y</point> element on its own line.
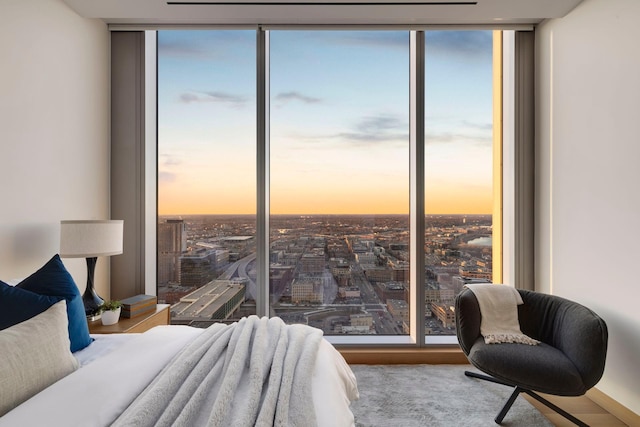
<point>256,372</point>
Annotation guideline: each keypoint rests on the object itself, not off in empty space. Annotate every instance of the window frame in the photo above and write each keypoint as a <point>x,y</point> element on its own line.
<point>503,176</point>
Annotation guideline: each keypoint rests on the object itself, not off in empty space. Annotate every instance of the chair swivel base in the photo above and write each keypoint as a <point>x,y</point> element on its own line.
<point>517,390</point>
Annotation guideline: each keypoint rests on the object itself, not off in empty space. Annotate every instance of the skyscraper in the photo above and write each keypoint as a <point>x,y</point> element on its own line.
<point>172,241</point>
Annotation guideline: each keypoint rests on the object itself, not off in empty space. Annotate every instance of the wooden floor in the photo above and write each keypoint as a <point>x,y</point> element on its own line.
<point>581,407</point>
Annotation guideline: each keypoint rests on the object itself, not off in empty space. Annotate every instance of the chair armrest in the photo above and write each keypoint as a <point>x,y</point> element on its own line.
<point>467,319</point>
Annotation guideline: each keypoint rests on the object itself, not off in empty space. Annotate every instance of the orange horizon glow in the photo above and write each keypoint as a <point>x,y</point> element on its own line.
<point>436,204</point>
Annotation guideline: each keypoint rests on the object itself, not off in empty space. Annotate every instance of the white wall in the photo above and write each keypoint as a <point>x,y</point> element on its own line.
<point>54,132</point>
<point>588,173</point>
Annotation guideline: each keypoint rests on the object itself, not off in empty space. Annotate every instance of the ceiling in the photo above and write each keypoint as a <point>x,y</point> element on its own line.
<point>329,12</point>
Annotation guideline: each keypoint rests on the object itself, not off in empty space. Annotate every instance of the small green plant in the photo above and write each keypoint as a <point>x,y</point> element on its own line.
<point>109,306</point>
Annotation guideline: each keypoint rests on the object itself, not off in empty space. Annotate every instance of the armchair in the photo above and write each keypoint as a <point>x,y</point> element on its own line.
<point>569,360</point>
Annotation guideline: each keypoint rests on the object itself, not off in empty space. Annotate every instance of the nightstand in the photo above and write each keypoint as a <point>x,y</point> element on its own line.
<point>136,324</point>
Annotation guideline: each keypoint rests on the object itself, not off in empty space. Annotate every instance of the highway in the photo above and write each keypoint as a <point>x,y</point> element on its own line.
<point>240,269</point>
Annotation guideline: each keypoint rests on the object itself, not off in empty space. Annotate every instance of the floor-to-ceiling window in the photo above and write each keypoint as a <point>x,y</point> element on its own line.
<point>339,181</point>
<point>206,174</point>
<point>459,166</point>
<point>338,176</point>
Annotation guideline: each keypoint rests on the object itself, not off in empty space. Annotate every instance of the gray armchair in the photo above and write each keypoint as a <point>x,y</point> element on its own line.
<point>569,360</point>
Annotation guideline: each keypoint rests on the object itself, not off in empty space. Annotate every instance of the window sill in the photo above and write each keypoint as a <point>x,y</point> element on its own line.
<point>451,355</point>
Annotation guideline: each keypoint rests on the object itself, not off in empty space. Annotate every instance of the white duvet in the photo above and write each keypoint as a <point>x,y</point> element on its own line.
<point>106,384</point>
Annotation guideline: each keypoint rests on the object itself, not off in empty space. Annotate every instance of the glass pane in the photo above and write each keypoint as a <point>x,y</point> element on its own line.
<point>458,169</point>
<point>206,174</point>
<point>339,183</point>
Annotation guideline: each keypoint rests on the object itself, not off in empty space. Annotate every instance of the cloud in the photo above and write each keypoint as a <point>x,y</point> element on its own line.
<point>447,130</point>
<point>169,160</point>
<point>182,49</point>
<point>377,129</point>
<point>286,97</point>
<point>382,129</point>
<point>385,129</point>
<point>482,139</point>
<point>214,97</point>
<point>204,45</point>
<point>477,126</point>
<point>467,44</point>
<point>380,123</point>
<point>166,177</point>
<point>377,39</point>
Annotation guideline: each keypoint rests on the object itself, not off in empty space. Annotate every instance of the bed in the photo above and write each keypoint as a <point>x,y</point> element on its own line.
<point>257,371</point>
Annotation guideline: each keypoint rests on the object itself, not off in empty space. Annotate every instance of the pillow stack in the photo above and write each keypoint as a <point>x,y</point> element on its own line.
<point>38,292</point>
<point>35,354</point>
<point>42,321</point>
<point>18,305</point>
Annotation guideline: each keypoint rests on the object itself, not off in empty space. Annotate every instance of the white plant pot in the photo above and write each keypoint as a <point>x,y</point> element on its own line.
<point>111,317</point>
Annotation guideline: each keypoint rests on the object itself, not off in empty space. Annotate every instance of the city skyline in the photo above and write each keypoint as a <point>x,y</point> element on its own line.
<point>335,148</point>
<point>344,274</point>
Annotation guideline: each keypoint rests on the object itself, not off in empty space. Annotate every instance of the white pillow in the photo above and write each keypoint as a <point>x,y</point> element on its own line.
<point>35,354</point>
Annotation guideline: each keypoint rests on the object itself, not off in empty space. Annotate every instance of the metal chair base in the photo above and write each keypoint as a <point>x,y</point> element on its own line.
<point>517,390</point>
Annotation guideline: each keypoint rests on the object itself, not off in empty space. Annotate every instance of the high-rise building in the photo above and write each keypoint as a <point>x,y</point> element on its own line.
<point>306,290</point>
<point>172,241</point>
<point>439,296</point>
<point>446,314</point>
<point>390,290</point>
<point>198,267</point>
<point>312,263</point>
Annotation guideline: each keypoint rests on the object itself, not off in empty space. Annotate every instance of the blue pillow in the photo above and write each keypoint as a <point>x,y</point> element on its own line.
<point>18,305</point>
<point>54,280</point>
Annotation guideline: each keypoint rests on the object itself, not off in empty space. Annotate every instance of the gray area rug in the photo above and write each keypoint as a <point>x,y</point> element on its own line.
<point>434,395</point>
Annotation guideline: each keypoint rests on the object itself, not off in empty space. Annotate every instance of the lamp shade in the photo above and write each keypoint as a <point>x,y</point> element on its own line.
<point>90,238</point>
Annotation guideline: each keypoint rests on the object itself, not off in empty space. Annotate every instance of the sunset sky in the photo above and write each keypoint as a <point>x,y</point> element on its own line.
<point>339,122</point>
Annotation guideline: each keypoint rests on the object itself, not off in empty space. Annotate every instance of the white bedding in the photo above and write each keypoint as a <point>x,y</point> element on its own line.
<point>116,368</point>
<point>102,344</point>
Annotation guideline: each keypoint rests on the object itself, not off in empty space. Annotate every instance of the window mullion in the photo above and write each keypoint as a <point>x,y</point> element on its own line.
<point>262,173</point>
<point>417,129</point>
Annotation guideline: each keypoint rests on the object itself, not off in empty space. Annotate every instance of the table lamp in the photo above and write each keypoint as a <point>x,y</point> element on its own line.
<point>90,239</point>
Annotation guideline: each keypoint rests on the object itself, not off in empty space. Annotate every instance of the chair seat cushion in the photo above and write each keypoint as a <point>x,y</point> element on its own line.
<point>540,368</point>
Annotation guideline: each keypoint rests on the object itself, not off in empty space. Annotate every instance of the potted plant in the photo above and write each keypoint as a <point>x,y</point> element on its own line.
<point>110,312</point>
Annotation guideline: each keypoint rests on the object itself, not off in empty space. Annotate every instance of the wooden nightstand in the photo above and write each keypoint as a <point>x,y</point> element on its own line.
<point>140,323</point>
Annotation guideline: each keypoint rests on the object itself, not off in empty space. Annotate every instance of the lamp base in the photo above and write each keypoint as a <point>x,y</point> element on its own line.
<point>94,317</point>
<point>90,298</point>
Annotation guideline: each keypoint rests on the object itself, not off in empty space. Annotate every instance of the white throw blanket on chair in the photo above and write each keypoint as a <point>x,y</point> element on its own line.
<point>256,372</point>
<point>499,310</point>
